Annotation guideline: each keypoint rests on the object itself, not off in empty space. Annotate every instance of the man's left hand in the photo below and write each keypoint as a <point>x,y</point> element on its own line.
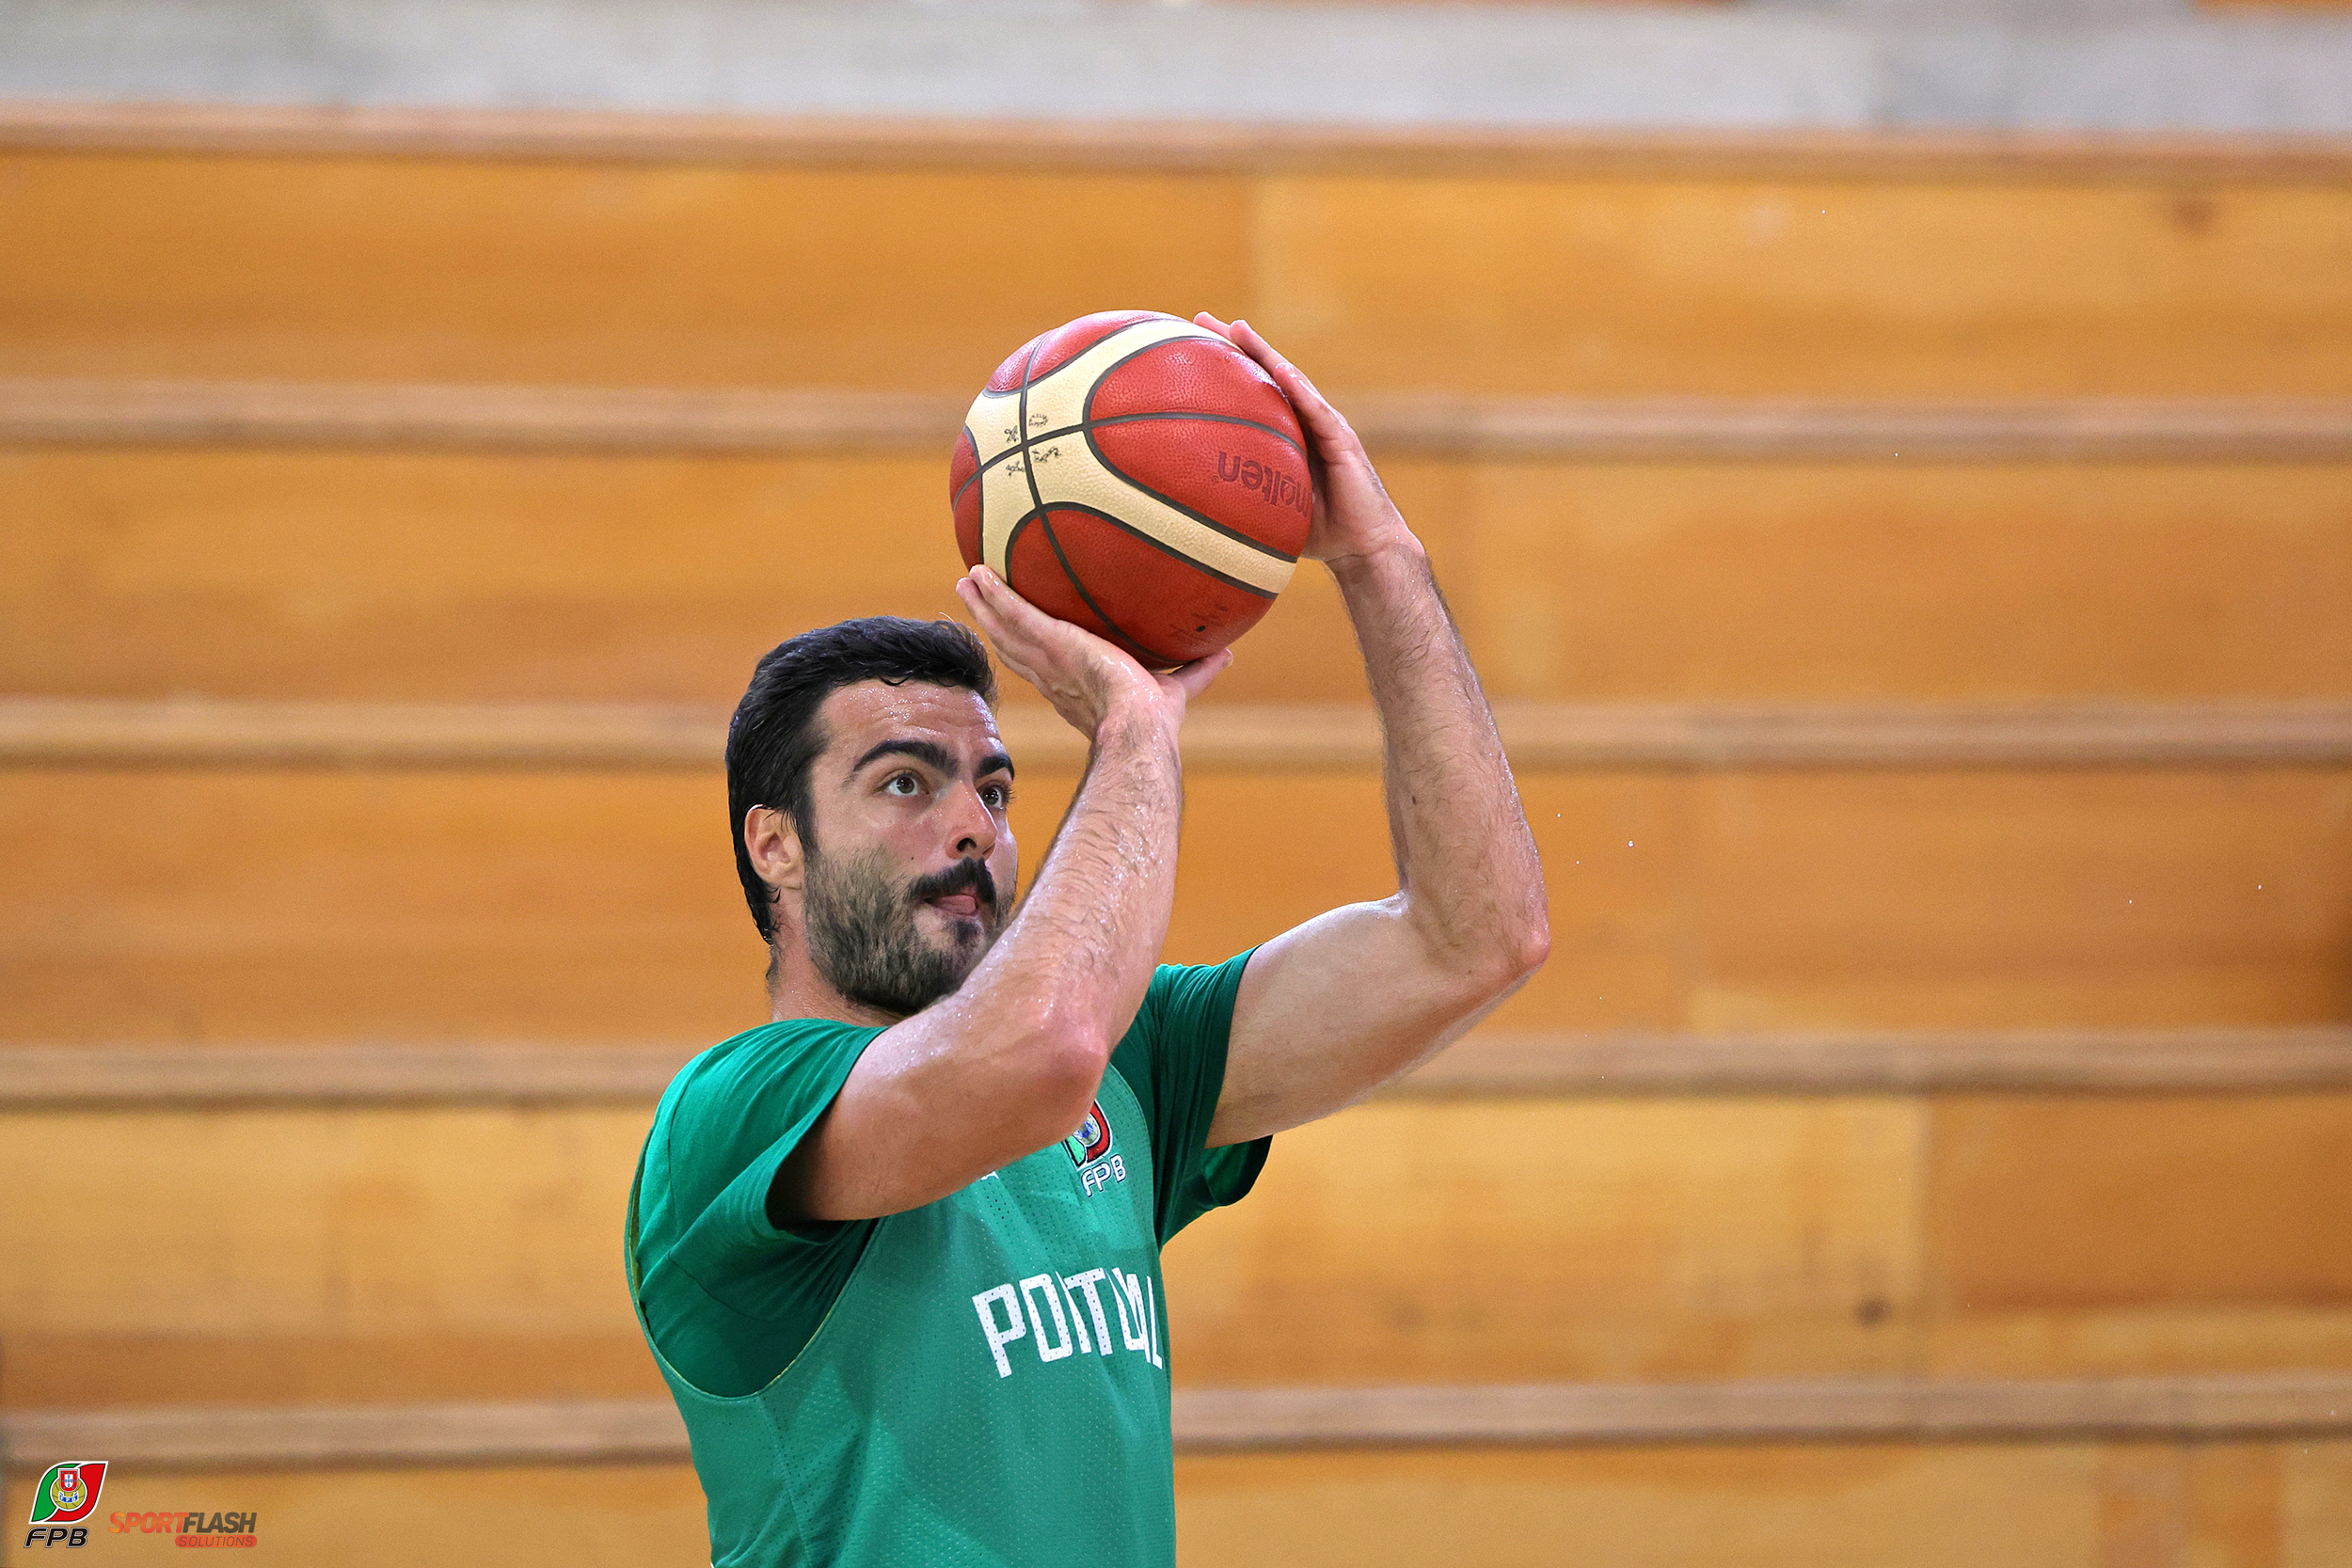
<point>1354,518</point>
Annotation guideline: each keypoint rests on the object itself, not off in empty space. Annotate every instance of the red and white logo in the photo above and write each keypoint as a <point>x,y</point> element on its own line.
<point>1092,1140</point>
<point>69,1492</point>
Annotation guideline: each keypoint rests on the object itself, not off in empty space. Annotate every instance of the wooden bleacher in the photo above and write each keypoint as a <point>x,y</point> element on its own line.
<point>1919,572</point>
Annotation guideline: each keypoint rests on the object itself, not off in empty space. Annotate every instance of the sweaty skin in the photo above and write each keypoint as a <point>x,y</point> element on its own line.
<point>1330,1012</point>
<point>910,783</point>
<point>1010,1062</point>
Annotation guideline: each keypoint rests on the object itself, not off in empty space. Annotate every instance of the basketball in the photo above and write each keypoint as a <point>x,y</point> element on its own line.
<point>1138,476</point>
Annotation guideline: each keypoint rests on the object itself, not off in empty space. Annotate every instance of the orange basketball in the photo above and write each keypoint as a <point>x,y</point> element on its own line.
<point>1136,475</point>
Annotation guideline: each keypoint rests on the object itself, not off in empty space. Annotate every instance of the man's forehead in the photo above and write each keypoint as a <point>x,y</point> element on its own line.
<point>857,716</point>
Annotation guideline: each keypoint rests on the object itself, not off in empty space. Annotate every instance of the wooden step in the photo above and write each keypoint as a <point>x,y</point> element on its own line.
<point>1937,580</point>
<point>2086,1473</point>
<point>599,904</point>
<point>455,576</point>
<point>579,271</point>
<point>1878,1504</point>
<point>439,574</point>
<point>127,1364</point>
<point>396,416</point>
<point>1491,1065</point>
<point>728,256</point>
<point>243,733</point>
<point>315,1253</point>
<point>1487,1066</point>
<point>1677,1238</point>
<point>543,1515</point>
<point>1872,1504</point>
<point>1893,289</point>
<point>1260,1419</point>
<point>392,1253</point>
<point>870,141</point>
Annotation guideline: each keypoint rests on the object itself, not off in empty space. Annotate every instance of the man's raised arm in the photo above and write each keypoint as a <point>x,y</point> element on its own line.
<point>1007,1064</point>
<point>1331,1009</point>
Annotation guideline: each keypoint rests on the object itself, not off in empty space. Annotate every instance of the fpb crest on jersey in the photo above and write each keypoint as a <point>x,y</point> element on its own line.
<point>68,1492</point>
<point>1092,1140</point>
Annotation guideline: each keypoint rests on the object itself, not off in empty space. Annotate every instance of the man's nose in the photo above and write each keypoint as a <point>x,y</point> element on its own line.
<point>973,827</point>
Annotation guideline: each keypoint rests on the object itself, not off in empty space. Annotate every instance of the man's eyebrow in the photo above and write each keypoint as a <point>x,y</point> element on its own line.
<point>934,755</point>
<point>926,751</point>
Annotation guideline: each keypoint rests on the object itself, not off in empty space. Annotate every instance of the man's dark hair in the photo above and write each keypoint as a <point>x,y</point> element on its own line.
<point>774,738</point>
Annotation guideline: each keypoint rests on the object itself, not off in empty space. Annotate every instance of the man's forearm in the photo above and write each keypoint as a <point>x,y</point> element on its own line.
<point>1464,860</point>
<point>1347,1000</point>
<point>1009,1063</point>
<point>1091,931</point>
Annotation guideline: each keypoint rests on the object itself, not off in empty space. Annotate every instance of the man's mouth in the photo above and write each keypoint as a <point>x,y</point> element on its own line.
<point>958,892</point>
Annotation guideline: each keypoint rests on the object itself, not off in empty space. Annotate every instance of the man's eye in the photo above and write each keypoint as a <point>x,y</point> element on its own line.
<point>998,795</point>
<point>893,785</point>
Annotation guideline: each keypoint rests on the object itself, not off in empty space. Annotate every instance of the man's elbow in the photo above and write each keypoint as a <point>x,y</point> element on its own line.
<point>1480,970</point>
<point>1533,945</point>
<point>1517,953</point>
<point>1065,1075</point>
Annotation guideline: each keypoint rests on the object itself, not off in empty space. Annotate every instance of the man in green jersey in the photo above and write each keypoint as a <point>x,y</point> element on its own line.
<point>898,1252</point>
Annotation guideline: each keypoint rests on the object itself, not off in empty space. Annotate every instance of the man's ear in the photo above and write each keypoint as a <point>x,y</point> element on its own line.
<point>774,843</point>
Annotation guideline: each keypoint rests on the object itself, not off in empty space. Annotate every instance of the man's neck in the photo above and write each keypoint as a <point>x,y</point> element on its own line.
<point>798,990</point>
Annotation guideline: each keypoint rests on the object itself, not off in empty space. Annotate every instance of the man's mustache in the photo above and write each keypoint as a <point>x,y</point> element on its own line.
<point>964,876</point>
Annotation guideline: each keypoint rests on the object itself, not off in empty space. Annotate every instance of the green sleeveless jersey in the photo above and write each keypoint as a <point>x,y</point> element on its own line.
<point>982,1381</point>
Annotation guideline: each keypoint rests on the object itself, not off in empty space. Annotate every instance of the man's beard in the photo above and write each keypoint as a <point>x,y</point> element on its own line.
<point>862,937</point>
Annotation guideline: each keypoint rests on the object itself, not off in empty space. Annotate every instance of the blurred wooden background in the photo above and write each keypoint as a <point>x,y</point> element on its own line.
<point>393,504</point>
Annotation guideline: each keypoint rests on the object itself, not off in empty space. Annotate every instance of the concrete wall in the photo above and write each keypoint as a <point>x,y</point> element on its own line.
<point>2080,65</point>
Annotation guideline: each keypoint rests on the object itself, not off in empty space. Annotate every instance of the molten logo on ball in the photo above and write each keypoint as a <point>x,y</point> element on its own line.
<point>1276,487</point>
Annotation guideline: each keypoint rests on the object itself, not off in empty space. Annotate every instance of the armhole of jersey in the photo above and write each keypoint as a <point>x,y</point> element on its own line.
<point>1252,1162</point>
<point>849,1282</point>
<point>681,1382</point>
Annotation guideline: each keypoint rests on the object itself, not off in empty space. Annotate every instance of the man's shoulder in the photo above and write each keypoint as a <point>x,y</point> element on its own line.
<point>767,1047</point>
<point>733,1079</point>
<point>1184,1005</point>
<point>1189,993</point>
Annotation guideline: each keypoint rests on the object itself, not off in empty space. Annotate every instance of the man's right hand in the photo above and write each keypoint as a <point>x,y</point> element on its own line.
<point>1089,680</point>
